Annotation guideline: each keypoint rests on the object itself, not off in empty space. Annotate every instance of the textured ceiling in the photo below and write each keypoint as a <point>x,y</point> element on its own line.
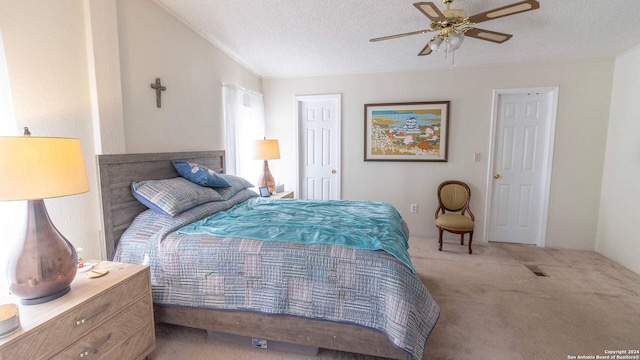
<point>295,38</point>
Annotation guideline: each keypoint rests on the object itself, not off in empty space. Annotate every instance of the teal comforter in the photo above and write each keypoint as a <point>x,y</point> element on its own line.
<point>365,225</point>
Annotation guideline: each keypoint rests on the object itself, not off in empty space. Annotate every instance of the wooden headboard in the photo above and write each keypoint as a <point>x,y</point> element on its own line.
<point>119,207</point>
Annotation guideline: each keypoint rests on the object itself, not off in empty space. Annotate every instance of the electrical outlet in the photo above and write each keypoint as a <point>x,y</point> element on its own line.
<point>414,208</point>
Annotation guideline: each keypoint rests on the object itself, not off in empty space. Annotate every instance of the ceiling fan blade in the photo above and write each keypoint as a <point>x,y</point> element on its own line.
<point>488,35</point>
<point>401,35</point>
<point>430,10</point>
<point>426,51</point>
<point>512,9</point>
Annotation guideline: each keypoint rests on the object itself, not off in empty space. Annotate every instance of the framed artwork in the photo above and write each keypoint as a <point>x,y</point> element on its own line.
<point>415,131</point>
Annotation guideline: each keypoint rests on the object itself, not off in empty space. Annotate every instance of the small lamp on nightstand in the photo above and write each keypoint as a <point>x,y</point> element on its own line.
<point>266,150</point>
<point>43,263</point>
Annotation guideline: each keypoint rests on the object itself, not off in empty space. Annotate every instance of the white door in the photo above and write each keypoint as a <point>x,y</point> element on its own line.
<point>319,146</point>
<point>522,150</point>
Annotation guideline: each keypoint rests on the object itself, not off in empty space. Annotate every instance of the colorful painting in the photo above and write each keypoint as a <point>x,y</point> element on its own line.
<point>406,131</point>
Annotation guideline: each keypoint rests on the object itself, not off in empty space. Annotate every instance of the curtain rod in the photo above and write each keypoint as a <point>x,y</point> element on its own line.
<point>242,89</point>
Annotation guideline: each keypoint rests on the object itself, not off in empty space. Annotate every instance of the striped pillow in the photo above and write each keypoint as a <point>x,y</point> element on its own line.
<point>172,196</point>
<point>237,183</point>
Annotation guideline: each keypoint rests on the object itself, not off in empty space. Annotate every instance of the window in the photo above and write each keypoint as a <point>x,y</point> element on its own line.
<point>12,213</point>
<point>244,122</point>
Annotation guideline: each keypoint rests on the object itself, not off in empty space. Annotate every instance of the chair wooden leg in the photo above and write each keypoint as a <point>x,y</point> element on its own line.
<point>470,240</point>
<point>462,239</point>
<point>440,241</point>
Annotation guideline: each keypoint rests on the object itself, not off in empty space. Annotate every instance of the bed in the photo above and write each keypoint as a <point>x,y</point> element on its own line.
<point>122,214</point>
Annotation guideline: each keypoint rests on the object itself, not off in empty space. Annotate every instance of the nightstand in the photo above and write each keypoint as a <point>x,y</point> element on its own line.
<point>283,195</point>
<point>110,317</point>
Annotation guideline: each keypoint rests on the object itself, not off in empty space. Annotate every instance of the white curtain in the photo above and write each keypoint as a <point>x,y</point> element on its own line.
<point>12,213</point>
<point>244,122</point>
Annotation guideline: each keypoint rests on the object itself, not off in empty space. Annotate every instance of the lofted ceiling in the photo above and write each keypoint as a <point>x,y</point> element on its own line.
<point>297,38</point>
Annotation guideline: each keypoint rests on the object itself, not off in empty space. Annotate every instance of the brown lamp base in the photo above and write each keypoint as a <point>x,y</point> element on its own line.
<point>43,264</point>
<point>266,179</point>
<point>45,299</point>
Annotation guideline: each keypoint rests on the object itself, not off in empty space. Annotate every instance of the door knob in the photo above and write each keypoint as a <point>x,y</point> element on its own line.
<point>497,176</point>
<point>333,171</point>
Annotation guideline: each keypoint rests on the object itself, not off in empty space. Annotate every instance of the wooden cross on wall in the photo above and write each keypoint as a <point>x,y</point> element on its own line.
<point>158,88</point>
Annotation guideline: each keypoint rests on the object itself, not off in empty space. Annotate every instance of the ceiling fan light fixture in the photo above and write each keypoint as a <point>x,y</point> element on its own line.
<point>435,43</point>
<point>456,39</point>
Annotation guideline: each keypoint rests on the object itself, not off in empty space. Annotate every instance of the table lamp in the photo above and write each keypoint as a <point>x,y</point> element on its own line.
<point>43,263</point>
<point>266,150</point>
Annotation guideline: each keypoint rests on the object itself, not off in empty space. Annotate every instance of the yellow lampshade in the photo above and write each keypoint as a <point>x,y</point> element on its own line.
<point>266,150</point>
<point>40,168</point>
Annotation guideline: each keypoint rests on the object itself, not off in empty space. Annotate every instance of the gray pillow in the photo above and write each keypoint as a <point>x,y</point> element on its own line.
<point>172,196</point>
<point>237,183</point>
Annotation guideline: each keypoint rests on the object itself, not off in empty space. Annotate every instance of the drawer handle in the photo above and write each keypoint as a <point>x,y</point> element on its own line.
<point>82,321</point>
<point>94,350</point>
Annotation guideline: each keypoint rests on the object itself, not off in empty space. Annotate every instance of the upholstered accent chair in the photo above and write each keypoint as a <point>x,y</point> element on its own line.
<point>453,198</point>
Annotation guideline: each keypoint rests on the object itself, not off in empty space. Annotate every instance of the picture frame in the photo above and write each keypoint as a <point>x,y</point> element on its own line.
<point>264,191</point>
<point>410,131</point>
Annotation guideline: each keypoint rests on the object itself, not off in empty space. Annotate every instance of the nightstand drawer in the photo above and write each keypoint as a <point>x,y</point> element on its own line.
<point>137,346</point>
<point>124,337</point>
<point>71,325</point>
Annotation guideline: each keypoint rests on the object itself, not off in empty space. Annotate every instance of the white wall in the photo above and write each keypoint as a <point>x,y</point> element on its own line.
<point>105,87</point>
<point>620,199</point>
<point>579,149</point>
<point>153,43</point>
<point>47,66</point>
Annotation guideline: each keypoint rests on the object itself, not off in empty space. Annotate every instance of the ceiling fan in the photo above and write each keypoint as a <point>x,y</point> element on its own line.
<point>454,25</point>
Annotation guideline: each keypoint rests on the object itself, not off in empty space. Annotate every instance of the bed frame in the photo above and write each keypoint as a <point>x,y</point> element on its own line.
<point>119,208</point>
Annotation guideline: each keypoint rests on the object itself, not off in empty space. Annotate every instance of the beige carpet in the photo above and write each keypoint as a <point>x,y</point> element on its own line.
<point>492,307</point>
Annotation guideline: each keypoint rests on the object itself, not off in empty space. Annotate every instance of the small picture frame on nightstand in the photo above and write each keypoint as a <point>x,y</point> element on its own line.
<point>264,191</point>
